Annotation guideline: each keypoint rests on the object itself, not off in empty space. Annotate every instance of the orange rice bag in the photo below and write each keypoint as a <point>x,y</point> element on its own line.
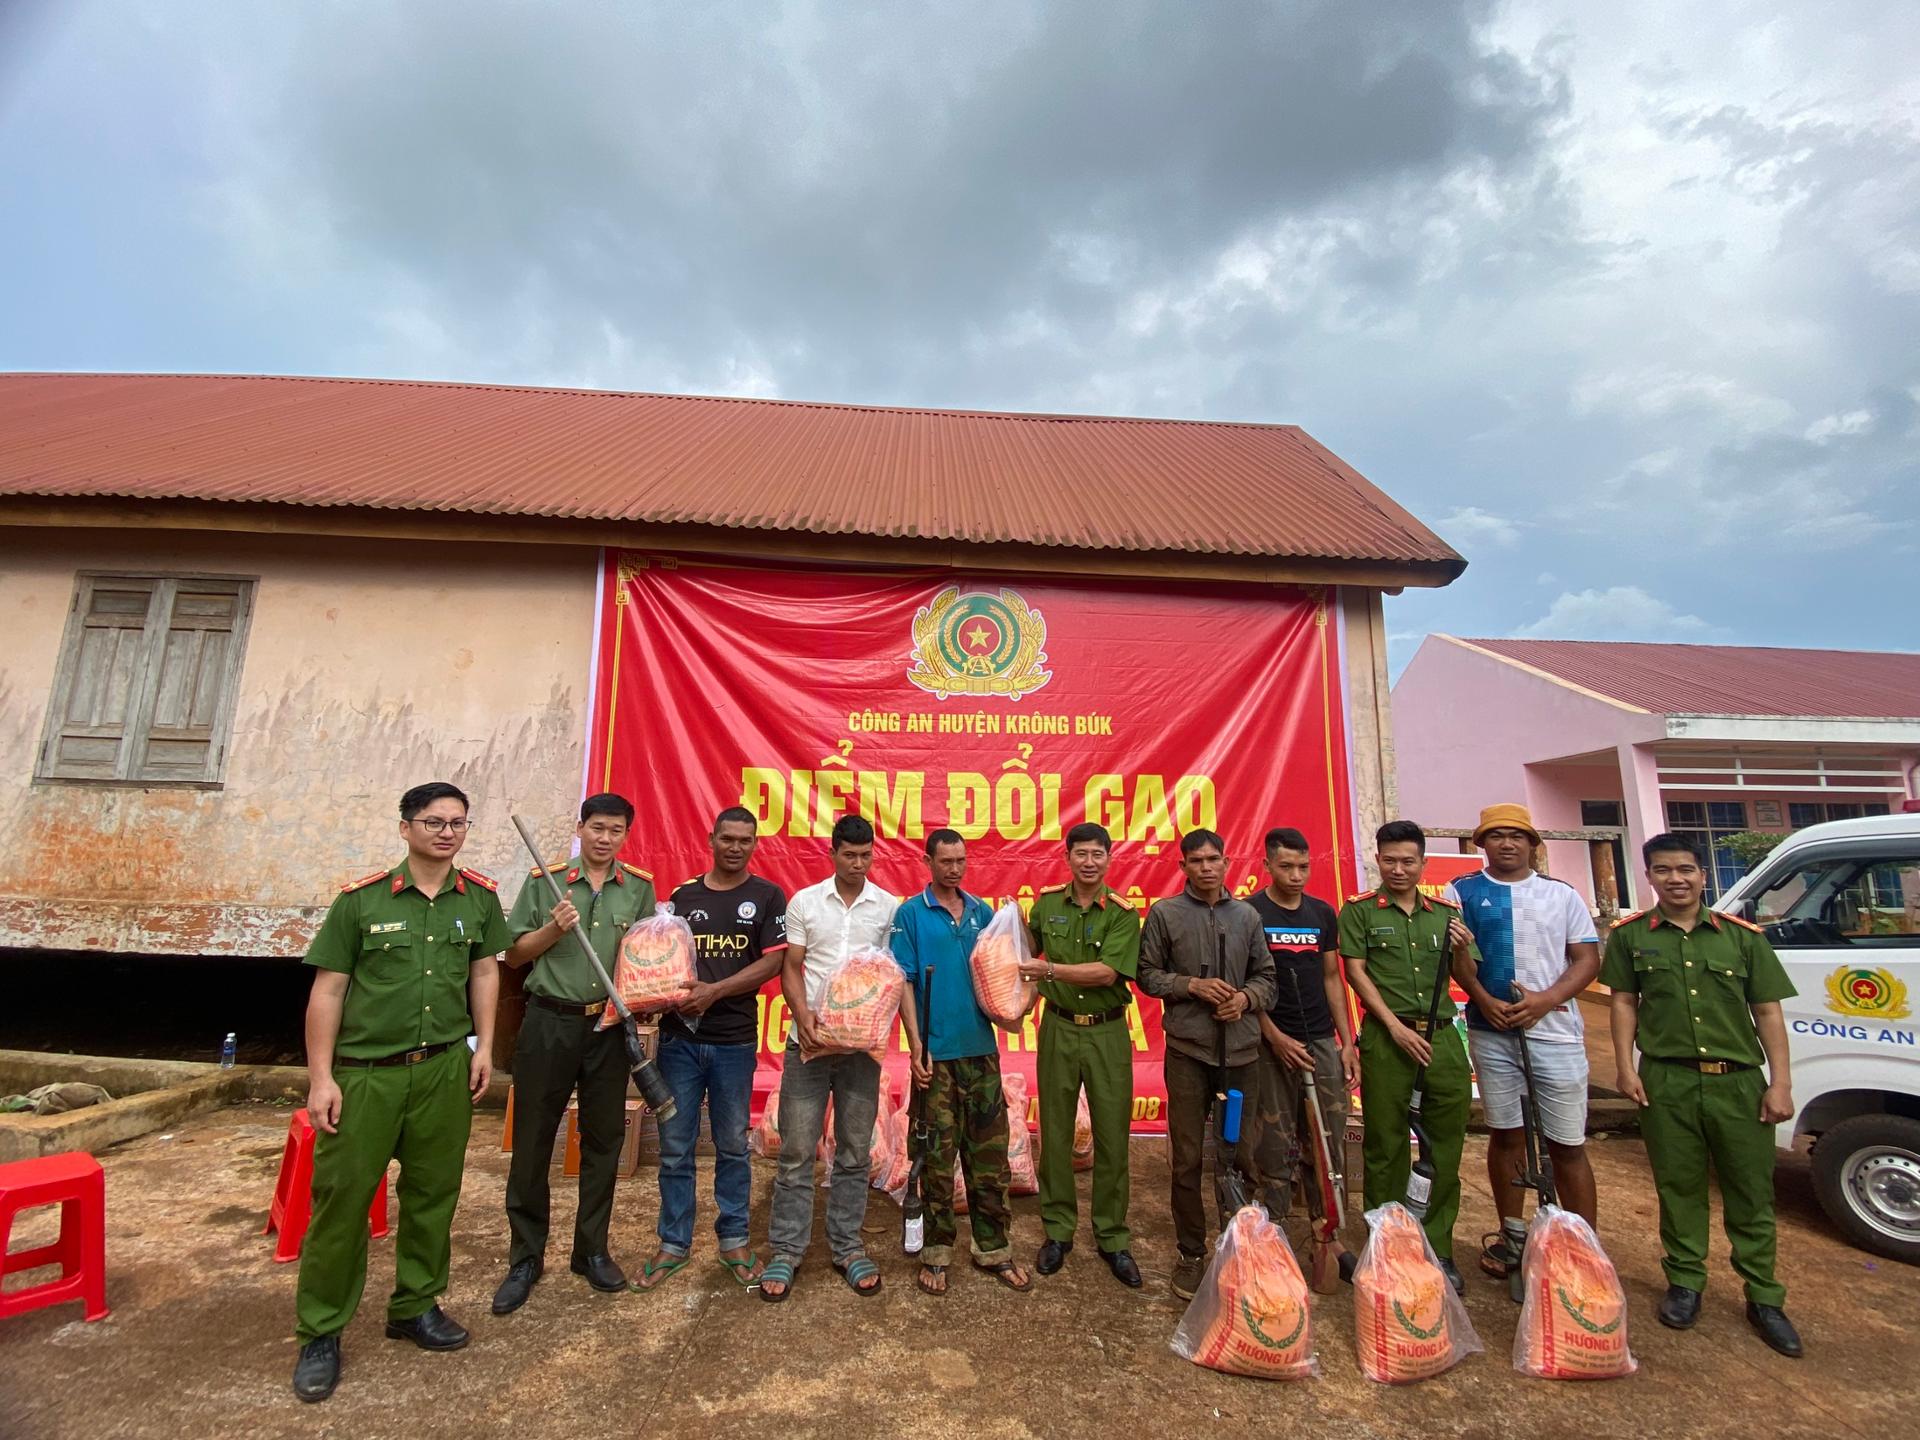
<point>899,1155</point>
<point>1082,1135</point>
<point>860,1005</point>
<point>766,1135</point>
<point>1573,1319</point>
<point>997,955</point>
<point>1024,1178</point>
<point>1250,1315</point>
<point>655,965</point>
<point>1408,1322</point>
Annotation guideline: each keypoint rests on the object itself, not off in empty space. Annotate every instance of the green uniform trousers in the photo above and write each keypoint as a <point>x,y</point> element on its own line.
<point>1099,1057</point>
<point>1691,1118</point>
<point>554,1053</point>
<point>1386,1091</point>
<point>419,1115</point>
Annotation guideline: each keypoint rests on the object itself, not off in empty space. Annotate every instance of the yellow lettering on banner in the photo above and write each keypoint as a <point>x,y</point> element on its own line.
<point>875,721</point>
<point>969,803</point>
<point>1136,1027</point>
<point>1105,805</point>
<point>801,809</point>
<point>920,724</point>
<point>764,792</point>
<point>894,811</point>
<point>1049,807</point>
<point>835,789</point>
<point>1147,817</point>
<point>1015,806</point>
<point>1146,1107</point>
<point>774,1019</point>
<point>1193,804</point>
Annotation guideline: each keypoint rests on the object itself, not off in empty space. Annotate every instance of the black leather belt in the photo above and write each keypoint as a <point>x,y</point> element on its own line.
<point>1417,1023</point>
<point>568,1007</point>
<point>1705,1067</point>
<point>405,1057</point>
<point>1089,1017</point>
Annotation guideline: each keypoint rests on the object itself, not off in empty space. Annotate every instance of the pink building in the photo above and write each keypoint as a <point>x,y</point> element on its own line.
<point>1712,739</point>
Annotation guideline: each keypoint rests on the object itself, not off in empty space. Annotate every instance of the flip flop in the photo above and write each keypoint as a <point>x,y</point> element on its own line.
<point>780,1272</point>
<point>926,1289</point>
<point>857,1269</point>
<point>743,1270</point>
<point>1003,1272</point>
<point>649,1271</point>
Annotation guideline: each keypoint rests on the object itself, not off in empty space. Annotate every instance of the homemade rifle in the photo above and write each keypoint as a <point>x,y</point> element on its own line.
<point>1420,1178</point>
<point>655,1093</point>
<point>913,1205</point>
<point>1323,1270</point>
<point>1230,1188</point>
<point>1537,1173</point>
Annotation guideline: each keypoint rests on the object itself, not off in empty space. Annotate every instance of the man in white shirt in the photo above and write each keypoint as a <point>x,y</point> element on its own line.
<point>1535,936</point>
<point>826,923</point>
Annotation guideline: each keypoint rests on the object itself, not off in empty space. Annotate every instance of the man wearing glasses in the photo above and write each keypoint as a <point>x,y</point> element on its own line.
<point>403,972</point>
<point>559,1048</point>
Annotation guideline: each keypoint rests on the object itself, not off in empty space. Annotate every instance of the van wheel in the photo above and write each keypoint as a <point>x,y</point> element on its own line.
<point>1867,1173</point>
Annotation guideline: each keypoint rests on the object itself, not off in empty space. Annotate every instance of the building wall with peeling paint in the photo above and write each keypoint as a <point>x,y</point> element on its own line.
<point>370,666</point>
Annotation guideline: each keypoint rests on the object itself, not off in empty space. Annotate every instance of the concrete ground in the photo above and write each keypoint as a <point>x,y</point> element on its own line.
<point>199,1343</point>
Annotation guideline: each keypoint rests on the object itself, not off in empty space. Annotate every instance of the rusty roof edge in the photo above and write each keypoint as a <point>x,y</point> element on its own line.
<point>379,522</point>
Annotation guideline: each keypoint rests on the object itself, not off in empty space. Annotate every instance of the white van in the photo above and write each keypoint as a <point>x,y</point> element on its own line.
<point>1841,904</point>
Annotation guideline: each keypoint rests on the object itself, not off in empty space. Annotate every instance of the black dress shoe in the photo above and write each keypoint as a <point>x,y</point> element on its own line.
<point>317,1370</point>
<point>518,1285</point>
<point>1679,1307</point>
<point>1448,1269</point>
<point>1052,1256</point>
<point>435,1330</point>
<point>1776,1329</point>
<point>601,1272</point>
<point>1124,1268</point>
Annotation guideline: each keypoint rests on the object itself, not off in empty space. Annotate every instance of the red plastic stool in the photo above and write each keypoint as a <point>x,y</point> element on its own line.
<point>292,1207</point>
<point>76,1184</point>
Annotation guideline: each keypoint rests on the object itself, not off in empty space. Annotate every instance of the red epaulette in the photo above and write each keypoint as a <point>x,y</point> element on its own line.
<point>1120,900</point>
<point>1363,895</point>
<point>486,881</point>
<point>1743,924</point>
<point>539,870</point>
<point>635,870</point>
<point>1052,889</point>
<point>1625,918</point>
<point>1442,900</point>
<point>364,881</point>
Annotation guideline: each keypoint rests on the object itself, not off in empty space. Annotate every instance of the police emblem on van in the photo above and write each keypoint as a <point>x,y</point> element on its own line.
<point>1875,994</point>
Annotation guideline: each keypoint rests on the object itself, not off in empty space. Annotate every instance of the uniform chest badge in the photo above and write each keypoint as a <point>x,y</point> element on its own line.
<point>387,928</point>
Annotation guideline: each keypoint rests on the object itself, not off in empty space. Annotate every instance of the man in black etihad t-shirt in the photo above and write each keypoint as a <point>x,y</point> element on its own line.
<point>708,1046</point>
<point>1309,1031</point>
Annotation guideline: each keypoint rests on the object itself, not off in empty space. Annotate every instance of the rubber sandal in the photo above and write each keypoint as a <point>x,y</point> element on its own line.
<point>780,1272</point>
<point>1003,1272</point>
<point>1496,1255</point>
<point>857,1269</point>
<point>926,1289</point>
<point>649,1270</point>
<point>742,1270</point>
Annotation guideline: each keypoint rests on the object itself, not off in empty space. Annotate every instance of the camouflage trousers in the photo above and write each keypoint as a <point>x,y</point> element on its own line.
<point>967,1115</point>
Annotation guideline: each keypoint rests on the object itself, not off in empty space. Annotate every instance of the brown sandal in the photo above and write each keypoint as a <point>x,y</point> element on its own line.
<point>921,1280</point>
<point>1003,1272</point>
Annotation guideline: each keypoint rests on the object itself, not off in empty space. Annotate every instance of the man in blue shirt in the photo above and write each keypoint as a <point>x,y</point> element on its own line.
<point>956,1060</point>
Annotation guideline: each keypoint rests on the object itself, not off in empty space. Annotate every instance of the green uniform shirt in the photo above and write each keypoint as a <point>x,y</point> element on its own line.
<point>1402,952</point>
<point>1106,932</point>
<point>407,956</point>
<point>606,915</point>
<point>1695,986</point>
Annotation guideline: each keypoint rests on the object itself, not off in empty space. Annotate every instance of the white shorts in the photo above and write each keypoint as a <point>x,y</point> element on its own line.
<point>1559,1077</point>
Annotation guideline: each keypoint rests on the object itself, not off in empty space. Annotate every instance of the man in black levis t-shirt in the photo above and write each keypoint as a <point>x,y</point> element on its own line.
<point>1309,1031</point>
<point>708,1047</point>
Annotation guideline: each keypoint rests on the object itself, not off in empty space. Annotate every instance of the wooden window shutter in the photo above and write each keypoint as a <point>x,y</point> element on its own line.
<point>102,670</point>
<point>192,675</point>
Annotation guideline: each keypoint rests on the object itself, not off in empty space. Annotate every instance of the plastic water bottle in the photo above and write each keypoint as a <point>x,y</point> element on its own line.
<point>226,1052</point>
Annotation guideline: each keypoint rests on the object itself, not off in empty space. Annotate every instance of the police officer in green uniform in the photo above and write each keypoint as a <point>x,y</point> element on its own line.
<point>1700,994</point>
<point>559,1048</point>
<point>1397,943</point>
<point>1086,940</point>
<point>404,970</point>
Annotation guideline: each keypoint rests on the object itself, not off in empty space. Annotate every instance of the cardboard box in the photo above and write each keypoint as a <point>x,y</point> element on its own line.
<point>640,1123</point>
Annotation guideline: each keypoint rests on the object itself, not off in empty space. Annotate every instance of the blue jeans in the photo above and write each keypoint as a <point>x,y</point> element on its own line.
<point>854,1083</point>
<point>723,1075</point>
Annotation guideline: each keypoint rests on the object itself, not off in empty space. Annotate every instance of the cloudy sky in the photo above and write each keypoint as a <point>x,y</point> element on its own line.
<point>1623,300</point>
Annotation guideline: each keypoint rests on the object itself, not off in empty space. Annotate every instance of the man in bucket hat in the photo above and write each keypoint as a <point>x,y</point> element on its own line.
<point>1538,950</point>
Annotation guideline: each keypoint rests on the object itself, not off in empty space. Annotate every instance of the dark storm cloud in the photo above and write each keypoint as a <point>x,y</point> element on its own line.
<point>850,201</point>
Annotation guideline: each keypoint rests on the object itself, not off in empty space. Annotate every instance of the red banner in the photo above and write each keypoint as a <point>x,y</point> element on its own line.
<point>1008,709</point>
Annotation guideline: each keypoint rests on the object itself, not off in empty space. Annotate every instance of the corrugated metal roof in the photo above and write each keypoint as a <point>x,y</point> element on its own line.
<point>1730,679</point>
<point>1080,482</point>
